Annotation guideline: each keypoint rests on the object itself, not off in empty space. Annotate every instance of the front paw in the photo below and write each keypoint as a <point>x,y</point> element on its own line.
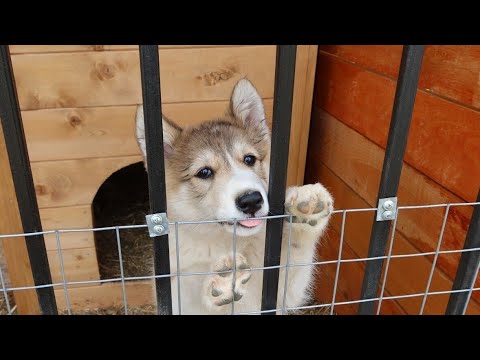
<point>220,290</point>
<point>309,204</point>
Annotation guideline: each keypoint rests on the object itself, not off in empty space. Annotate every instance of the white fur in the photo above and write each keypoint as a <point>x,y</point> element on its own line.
<point>209,247</point>
<point>240,182</point>
<point>140,129</point>
<point>168,133</point>
<point>201,246</point>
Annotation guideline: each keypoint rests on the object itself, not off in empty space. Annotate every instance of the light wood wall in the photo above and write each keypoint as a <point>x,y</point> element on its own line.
<point>78,104</point>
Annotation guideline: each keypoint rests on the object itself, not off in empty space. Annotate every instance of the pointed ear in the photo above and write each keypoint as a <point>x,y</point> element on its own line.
<point>246,105</point>
<point>170,132</point>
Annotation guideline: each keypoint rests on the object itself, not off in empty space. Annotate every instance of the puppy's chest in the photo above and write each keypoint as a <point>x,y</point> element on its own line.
<point>200,253</point>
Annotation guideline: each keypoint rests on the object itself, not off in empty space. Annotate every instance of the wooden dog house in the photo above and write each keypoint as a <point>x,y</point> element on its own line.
<point>78,105</point>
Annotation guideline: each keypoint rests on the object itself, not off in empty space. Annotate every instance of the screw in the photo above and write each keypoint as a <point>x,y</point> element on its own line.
<point>156,219</point>
<point>158,229</point>
<point>388,205</point>
<point>387,215</point>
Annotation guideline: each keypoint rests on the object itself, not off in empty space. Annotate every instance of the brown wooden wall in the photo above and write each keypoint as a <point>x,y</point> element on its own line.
<point>354,91</point>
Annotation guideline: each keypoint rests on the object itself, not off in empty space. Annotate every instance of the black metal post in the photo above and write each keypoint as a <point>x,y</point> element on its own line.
<point>11,120</point>
<point>282,112</point>
<point>152,109</point>
<point>466,273</point>
<point>406,91</point>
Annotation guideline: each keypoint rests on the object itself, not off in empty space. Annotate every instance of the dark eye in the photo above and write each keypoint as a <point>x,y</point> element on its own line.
<point>205,173</point>
<point>249,160</point>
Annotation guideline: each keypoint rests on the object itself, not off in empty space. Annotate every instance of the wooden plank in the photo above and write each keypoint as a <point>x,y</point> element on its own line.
<point>32,49</point>
<point>79,265</point>
<point>451,71</point>
<point>349,279</point>
<point>384,59</point>
<point>113,78</point>
<point>405,276</point>
<point>444,137</point>
<point>139,293</point>
<point>71,217</point>
<point>74,182</point>
<point>104,132</point>
<point>301,111</point>
<point>324,281</point>
<point>80,133</point>
<point>14,249</point>
<point>359,165</point>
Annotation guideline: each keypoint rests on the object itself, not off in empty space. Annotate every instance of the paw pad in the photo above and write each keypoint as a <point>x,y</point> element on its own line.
<point>221,291</point>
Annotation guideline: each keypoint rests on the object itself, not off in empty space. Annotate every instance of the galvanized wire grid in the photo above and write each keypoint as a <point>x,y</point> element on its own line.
<point>4,289</point>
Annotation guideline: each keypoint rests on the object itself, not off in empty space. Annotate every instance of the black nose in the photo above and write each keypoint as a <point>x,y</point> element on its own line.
<point>249,203</point>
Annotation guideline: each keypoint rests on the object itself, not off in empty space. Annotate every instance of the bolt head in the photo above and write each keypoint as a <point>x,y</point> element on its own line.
<point>388,205</point>
<point>387,215</point>
<point>158,229</point>
<point>156,219</point>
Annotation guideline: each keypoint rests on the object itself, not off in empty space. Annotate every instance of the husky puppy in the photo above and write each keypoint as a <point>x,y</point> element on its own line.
<point>220,170</point>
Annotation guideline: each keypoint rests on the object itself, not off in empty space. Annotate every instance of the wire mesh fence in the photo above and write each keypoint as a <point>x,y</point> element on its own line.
<point>178,275</point>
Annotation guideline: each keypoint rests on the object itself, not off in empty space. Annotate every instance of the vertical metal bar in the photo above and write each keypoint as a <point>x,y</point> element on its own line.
<point>392,166</point>
<point>282,113</point>
<point>466,275</point>
<point>22,177</point>
<point>387,266</point>
<point>177,253</point>
<point>5,293</point>
<point>122,274</point>
<point>234,277</point>
<point>62,271</point>
<point>285,286</point>
<point>152,110</point>
<point>337,273</point>
<point>435,259</point>
<point>471,289</point>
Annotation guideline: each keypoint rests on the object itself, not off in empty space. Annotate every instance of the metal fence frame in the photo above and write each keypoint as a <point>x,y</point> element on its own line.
<point>284,80</point>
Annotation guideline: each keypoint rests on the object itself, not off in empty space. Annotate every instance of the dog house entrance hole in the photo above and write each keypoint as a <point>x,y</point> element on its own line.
<point>123,200</point>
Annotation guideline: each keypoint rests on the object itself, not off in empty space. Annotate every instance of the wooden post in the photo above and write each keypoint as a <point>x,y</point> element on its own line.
<point>15,250</point>
<point>301,111</point>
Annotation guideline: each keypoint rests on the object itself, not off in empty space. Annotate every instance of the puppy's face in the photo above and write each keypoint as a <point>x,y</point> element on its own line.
<point>219,169</point>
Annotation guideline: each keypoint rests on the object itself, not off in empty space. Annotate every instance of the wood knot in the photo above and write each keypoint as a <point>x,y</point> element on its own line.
<point>41,190</point>
<point>75,121</point>
<point>214,77</point>
<point>103,71</point>
<point>98,47</point>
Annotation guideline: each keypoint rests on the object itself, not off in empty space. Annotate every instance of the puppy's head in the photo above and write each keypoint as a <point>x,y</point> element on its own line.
<point>218,169</point>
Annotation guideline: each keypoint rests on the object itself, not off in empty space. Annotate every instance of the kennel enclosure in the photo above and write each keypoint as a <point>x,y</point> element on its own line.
<point>449,210</point>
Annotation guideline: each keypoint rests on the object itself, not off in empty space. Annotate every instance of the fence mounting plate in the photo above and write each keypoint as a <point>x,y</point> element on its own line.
<point>387,209</point>
<point>157,224</point>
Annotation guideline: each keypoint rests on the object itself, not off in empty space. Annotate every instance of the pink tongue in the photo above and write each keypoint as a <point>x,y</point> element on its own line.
<point>250,223</point>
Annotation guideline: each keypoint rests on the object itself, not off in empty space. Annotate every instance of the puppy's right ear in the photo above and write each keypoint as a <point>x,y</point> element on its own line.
<point>246,106</point>
<point>170,133</point>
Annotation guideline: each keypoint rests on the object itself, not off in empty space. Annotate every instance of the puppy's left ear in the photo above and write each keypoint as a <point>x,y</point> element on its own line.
<point>246,106</point>
<point>171,132</point>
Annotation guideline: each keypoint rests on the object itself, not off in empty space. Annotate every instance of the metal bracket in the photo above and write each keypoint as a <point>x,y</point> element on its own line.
<point>387,209</point>
<point>157,224</point>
